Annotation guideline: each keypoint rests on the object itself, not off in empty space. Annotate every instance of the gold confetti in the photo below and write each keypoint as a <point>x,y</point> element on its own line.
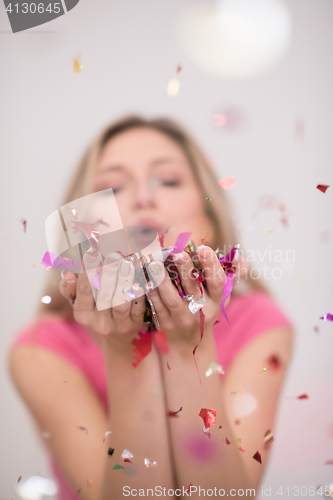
<point>233,392</point>
<point>208,199</point>
<point>19,479</point>
<point>239,440</point>
<point>268,437</point>
<point>65,381</point>
<point>132,241</point>
<point>77,67</point>
<point>173,87</point>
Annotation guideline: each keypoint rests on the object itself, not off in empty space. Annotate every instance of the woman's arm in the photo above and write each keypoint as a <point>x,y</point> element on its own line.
<point>137,419</point>
<point>208,462</point>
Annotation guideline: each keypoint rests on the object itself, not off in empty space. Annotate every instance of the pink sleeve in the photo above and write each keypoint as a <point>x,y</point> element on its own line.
<point>250,316</point>
<point>59,336</point>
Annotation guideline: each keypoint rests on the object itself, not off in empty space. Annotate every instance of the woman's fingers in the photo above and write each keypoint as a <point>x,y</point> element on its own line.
<point>165,297</point>
<point>68,286</point>
<point>138,305</point>
<point>186,269</point>
<point>85,302</point>
<point>214,273</point>
<point>241,266</point>
<point>108,281</point>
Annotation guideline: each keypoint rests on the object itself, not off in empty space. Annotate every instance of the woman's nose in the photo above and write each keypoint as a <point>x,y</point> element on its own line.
<point>145,195</point>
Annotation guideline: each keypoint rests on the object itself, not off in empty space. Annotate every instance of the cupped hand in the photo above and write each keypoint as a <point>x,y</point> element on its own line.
<point>112,313</point>
<point>174,315</point>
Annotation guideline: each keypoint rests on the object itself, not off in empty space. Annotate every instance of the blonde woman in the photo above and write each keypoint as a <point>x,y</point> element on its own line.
<point>73,364</point>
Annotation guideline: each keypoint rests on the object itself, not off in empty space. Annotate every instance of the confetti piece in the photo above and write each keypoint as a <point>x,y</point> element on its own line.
<point>35,487</point>
<point>181,242</point>
<point>110,451</point>
<point>95,282</point>
<point>46,299</point>
<point>220,427</point>
<point>24,222</point>
<point>127,454</point>
<point>107,433</point>
<point>227,182</point>
<point>174,413</point>
<point>95,235</point>
<point>173,87</point>
<point>274,362</point>
<point>148,463</point>
<point>189,488</point>
<point>82,429</point>
<point>142,347</point>
<point>327,317</point>
<point>241,449</point>
<point>257,457</point>
<point>65,381</point>
<point>263,370</point>
<point>19,479</point>
<point>117,466</point>
<point>179,68</point>
<point>329,462</point>
<point>208,199</point>
<point>316,329</point>
<point>220,120</point>
<point>322,188</point>
<point>77,67</point>
<point>128,461</point>
<point>217,322</point>
<point>208,417</point>
<point>303,396</point>
<point>214,368</point>
<point>268,438</point>
<point>235,392</point>
<point>74,212</point>
<point>268,230</point>
<point>239,440</point>
<point>227,441</point>
<point>168,366</point>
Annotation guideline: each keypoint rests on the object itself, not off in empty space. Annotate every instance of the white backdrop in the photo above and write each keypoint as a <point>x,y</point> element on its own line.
<point>129,51</point>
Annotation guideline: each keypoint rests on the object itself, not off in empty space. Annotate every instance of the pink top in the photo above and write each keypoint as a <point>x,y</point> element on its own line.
<point>250,316</point>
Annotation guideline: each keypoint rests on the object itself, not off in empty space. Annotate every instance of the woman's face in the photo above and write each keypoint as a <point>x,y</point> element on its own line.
<point>153,183</point>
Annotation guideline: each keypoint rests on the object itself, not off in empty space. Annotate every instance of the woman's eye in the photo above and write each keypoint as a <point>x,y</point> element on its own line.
<point>170,183</point>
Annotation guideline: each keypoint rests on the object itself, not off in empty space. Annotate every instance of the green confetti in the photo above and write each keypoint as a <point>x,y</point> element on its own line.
<point>208,199</point>
<point>117,466</point>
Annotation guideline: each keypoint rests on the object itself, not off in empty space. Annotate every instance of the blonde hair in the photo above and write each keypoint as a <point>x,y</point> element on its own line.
<point>217,209</point>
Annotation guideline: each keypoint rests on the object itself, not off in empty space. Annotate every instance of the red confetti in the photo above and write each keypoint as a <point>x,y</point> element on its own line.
<point>217,322</point>
<point>189,488</point>
<point>329,462</point>
<point>241,449</point>
<point>220,427</point>
<point>257,457</point>
<point>179,68</point>
<point>303,396</point>
<point>128,460</point>
<point>142,347</point>
<point>208,417</point>
<point>24,222</point>
<point>316,329</point>
<point>174,413</point>
<point>168,365</point>
<point>274,362</point>
<point>322,187</point>
<point>161,342</point>
<point>227,441</point>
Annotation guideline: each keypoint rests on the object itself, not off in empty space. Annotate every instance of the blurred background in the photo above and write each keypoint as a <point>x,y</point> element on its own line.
<point>252,81</point>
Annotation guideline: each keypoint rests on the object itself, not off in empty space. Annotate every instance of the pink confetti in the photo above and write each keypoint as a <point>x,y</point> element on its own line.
<point>95,235</point>
<point>208,416</point>
<point>241,449</point>
<point>82,429</point>
<point>303,396</point>
<point>74,212</point>
<point>327,317</point>
<point>95,282</point>
<point>329,462</point>
<point>220,120</point>
<point>227,182</point>
<point>181,241</point>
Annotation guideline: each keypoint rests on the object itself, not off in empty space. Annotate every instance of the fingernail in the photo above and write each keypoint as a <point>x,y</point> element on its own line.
<point>65,279</point>
<point>113,257</point>
<point>125,268</point>
<point>136,287</point>
<point>155,268</point>
<point>179,257</point>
